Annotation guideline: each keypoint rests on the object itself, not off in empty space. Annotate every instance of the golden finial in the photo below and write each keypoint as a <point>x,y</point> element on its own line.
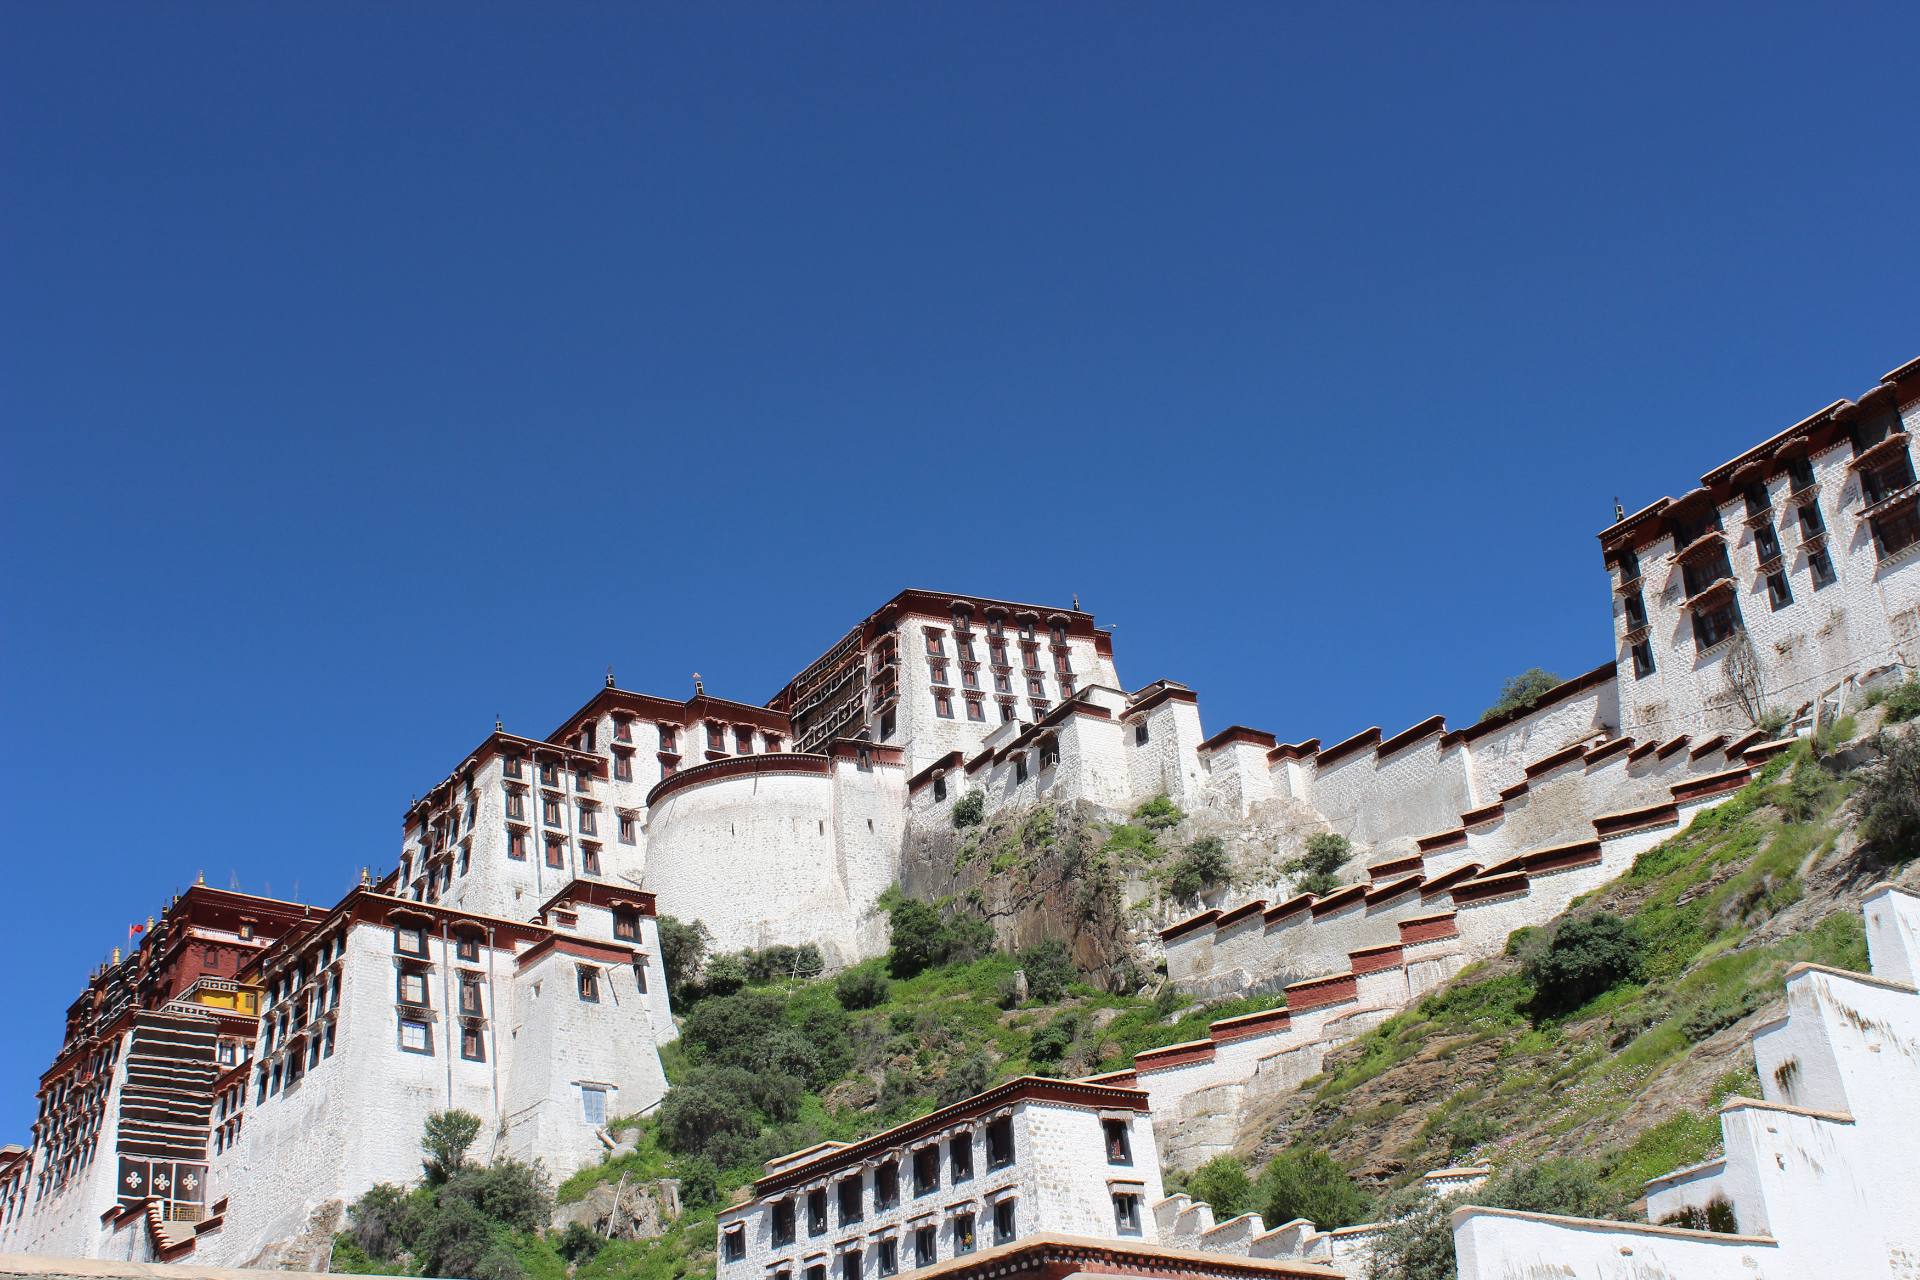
<point>116,955</point>
<point>365,878</point>
<point>201,879</point>
<point>149,924</point>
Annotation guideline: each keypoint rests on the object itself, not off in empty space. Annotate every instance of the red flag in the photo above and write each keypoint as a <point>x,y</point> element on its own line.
<point>134,929</point>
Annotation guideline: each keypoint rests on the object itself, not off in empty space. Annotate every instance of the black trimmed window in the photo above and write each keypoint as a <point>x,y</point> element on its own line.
<point>1000,1142</point>
<point>1003,1224</point>
<point>960,1157</point>
<point>926,1170</point>
<point>416,1036</point>
<point>473,1045</point>
<point>1119,1141</point>
<point>411,988</point>
<point>587,981</point>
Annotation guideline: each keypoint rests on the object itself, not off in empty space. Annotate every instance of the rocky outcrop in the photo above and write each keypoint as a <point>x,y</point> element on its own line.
<point>1093,878</point>
<point>623,1210</point>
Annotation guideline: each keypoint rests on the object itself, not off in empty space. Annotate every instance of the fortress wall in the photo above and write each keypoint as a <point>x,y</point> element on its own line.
<point>753,857</point>
<point>1382,798</point>
<point>1588,714</point>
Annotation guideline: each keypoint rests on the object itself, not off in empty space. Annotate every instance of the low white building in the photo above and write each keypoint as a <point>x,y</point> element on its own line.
<point>1031,1176</point>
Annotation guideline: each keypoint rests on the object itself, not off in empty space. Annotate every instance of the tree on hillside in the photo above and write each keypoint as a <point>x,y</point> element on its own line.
<point>1309,1183</point>
<point>445,1139</point>
<point>1585,956</point>
<point>1521,692</point>
<point>1326,853</point>
<point>683,948</point>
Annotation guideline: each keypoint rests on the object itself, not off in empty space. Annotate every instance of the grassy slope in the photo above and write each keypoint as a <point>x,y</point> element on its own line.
<point>1632,1079</point>
<point>929,1026</point>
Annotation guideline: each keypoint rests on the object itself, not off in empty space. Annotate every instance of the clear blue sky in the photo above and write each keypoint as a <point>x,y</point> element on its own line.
<point>367,372</point>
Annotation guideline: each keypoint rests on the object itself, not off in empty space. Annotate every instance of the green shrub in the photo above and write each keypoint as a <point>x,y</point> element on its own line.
<point>1902,700</point>
<point>861,988</point>
<point>683,948</point>
<point>515,1195</point>
<point>380,1221</point>
<point>969,810</point>
<point>1317,883</point>
<point>470,1220</point>
<point>579,1242</point>
<point>1833,733</point>
<point>1223,1183</point>
<point>923,935</point>
<point>1560,1185</point>
<point>1308,1183</point>
<point>1804,795</point>
<point>445,1139</point>
<point>1585,956</point>
<point>1051,1042</point>
<point>1203,864</point>
<point>1313,871</point>
<point>966,1077</point>
<point>1521,692</point>
<point>1049,969</point>
<point>718,1112</point>
<point>1418,1241</point>
<point>723,975</point>
<point>783,962</point>
<point>1158,813</point>
<point>1889,798</point>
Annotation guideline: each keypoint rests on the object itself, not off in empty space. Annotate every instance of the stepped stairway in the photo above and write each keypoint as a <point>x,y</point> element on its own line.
<point>166,1109</point>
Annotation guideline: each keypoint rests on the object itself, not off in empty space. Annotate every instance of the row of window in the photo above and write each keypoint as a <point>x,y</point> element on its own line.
<point>716,737</point>
<point>549,772</point>
<point>977,708</point>
<point>886,1251</point>
<point>1702,569</point>
<point>924,1168</point>
<point>553,813</point>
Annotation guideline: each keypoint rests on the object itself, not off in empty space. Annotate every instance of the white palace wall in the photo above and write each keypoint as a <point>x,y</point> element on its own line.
<point>798,850</point>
